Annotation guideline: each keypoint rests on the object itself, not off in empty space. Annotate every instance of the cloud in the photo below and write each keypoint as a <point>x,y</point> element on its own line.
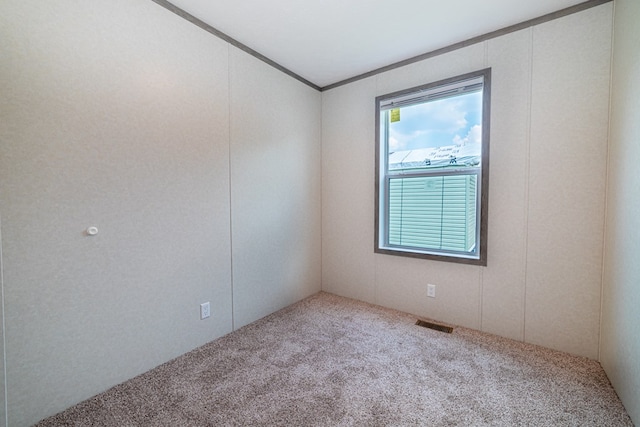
<point>394,144</point>
<point>474,136</point>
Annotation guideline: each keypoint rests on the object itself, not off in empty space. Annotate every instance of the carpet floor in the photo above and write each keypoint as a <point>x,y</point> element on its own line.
<point>332,361</point>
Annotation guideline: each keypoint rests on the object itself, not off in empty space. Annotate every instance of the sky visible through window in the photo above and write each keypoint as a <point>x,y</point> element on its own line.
<point>450,121</point>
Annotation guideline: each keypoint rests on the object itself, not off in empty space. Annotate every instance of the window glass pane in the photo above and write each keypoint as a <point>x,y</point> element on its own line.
<point>436,134</point>
<point>435,212</point>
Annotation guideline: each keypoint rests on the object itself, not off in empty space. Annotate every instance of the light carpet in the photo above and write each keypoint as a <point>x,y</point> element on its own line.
<point>332,361</point>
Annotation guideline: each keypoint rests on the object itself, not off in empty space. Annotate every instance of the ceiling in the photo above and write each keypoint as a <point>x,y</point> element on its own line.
<point>328,41</point>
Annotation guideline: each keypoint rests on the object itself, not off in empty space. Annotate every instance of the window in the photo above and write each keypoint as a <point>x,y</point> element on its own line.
<point>432,170</point>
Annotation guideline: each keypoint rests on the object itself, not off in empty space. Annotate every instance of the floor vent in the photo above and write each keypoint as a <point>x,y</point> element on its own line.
<point>437,327</point>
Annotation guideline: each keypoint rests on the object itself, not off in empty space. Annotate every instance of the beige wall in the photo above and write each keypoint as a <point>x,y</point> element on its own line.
<point>550,95</point>
<point>199,165</point>
<point>620,345</point>
<point>275,191</point>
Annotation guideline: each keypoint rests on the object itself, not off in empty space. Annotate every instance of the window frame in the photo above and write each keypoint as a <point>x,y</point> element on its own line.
<point>381,176</point>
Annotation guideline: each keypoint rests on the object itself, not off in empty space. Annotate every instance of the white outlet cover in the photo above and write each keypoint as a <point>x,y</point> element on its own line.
<point>431,291</point>
<point>205,310</point>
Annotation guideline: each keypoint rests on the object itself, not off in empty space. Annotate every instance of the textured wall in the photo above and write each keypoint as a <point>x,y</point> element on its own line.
<point>121,115</point>
<point>275,129</point>
<point>620,344</point>
<point>550,94</point>
<point>567,175</point>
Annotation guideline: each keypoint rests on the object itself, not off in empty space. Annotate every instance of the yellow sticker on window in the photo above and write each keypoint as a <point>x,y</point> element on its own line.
<point>395,115</point>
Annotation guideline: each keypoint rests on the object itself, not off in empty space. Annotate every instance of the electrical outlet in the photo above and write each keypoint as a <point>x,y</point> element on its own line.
<point>431,291</point>
<point>205,310</point>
